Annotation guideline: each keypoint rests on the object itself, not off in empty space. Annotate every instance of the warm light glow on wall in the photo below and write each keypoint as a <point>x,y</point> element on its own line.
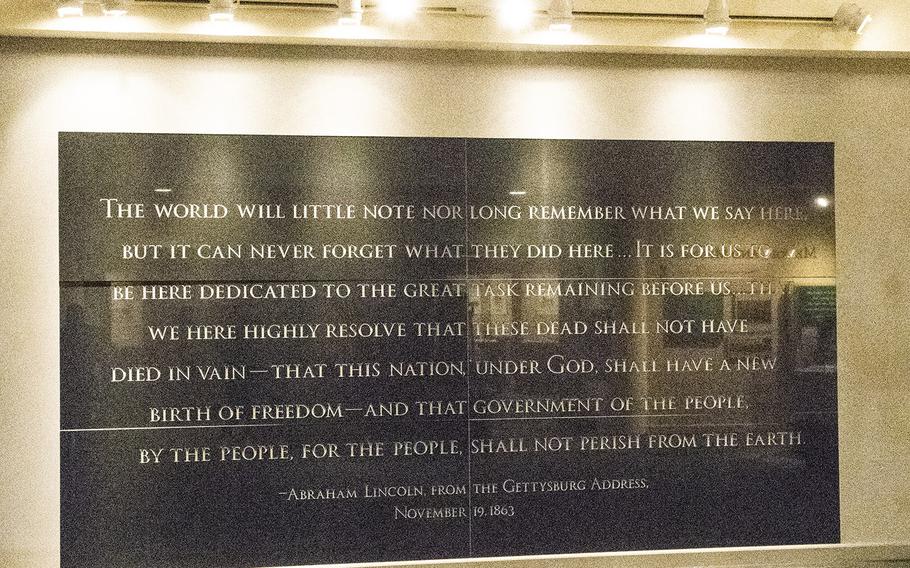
<point>549,36</point>
<point>692,106</point>
<point>333,103</point>
<point>545,106</point>
<point>224,28</point>
<point>700,40</point>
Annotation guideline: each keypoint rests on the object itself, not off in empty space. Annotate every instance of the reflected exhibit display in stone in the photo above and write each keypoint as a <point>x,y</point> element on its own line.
<point>281,350</point>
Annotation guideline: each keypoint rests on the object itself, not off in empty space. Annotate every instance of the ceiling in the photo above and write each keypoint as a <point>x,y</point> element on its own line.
<point>760,27</point>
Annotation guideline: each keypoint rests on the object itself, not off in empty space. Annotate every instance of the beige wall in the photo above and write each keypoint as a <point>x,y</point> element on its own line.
<point>861,105</point>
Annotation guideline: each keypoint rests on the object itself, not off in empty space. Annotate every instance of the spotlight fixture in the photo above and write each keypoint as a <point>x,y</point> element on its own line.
<point>350,12</point>
<point>515,14</point>
<point>115,7</point>
<point>852,17</point>
<point>398,9</point>
<point>560,12</point>
<point>69,8</point>
<point>222,10</point>
<point>717,17</point>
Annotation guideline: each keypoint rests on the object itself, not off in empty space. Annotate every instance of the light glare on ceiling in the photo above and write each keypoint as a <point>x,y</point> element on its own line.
<point>560,12</point>
<point>515,14</point>
<point>398,9</point>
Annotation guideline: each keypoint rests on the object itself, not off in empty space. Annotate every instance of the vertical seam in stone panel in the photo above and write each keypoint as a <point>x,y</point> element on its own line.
<point>467,310</point>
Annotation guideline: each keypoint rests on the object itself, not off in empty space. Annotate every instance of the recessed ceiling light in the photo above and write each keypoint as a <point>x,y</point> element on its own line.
<point>350,12</point>
<point>222,10</point>
<point>560,12</point>
<point>850,16</point>
<point>69,8</point>
<point>717,17</point>
<point>115,7</point>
